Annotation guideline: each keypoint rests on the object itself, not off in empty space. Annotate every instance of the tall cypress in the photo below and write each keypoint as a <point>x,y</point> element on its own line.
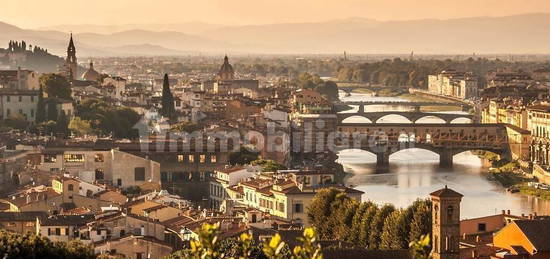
<point>52,111</point>
<point>62,124</point>
<point>167,110</point>
<point>40,107</point>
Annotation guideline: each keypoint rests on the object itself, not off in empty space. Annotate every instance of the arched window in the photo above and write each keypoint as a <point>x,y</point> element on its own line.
<point>70,187</point>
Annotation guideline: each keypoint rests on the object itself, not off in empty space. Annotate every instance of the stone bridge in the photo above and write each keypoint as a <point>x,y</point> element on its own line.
<point>446,140</point>
<point>415,105</point>
<point>410,115</point>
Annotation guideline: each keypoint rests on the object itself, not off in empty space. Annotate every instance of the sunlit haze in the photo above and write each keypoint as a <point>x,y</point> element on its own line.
<point>39,13</point>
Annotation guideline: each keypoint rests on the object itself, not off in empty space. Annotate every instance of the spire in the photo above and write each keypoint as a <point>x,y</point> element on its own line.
<point>226,59</point>
<point>71,43</point>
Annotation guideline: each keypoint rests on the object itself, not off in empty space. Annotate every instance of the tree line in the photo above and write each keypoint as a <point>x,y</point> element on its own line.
<point>30,246</point>
<point>336,216</point>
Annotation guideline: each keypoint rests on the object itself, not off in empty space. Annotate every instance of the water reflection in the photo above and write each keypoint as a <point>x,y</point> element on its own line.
<point>414,173</point>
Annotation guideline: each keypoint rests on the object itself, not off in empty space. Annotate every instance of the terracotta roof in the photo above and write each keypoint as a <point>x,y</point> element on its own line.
<point>446,192</point>
<point>231,169</point>
<point>22,216</point>
<point>537,232</point>
<point>67,220</point>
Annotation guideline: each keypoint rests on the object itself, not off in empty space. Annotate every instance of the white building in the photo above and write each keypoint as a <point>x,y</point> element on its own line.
<point>15,103</point>
<point>455,84</point>
<point>222,179</point>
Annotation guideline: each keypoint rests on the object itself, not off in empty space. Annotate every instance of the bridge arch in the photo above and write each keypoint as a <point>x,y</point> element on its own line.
<point>461,120</point>
<point>402,118</point>
<point>422,120</point>
<point>356,119</point>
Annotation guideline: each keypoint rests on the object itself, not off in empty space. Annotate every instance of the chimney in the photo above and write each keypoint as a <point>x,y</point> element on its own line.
<point>503,212</point>
<point>523,215</point>
<point>535,215</point>
<point>508,212</point>
<point>530,216</point>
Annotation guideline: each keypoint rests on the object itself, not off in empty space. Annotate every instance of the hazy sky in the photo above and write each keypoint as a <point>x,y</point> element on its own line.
<point>37,13</point>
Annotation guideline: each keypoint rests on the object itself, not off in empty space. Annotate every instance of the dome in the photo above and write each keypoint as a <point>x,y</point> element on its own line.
<point>226,71</point>
<point>91,74</point>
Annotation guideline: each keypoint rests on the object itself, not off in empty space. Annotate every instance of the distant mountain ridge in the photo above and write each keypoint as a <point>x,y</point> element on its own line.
<point>528,33</point>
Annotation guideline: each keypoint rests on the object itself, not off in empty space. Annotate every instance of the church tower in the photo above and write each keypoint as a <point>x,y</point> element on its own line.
<point>71,63</point>
<point>445,224</point>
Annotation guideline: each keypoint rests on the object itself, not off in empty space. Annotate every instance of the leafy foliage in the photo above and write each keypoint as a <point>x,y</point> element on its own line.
<point>328,89</point>
<point>337,217</point>
<point>106,119</point>
<point>268,165</point>
<point>32,246</point>
<point>56,86</point>
<point>209,246</point>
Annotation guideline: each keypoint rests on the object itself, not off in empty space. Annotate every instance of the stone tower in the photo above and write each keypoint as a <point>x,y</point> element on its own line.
<point>71,62</point>
<point>446,223</point>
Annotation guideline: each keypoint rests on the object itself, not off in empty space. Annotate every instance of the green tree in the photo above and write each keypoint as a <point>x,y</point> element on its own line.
<point>80,127</point>
<point>52,113</point>
<point>421,224</point>
<point>40,107</point>
<point>365,227</point>
<point>242,157</point>
<point>355,229</point>
<point>268,165</point>
<point>343,218</point>
<point>62,124</point>
<point>377,225</point>
<point>320,211</point>
<point>56,86</point>
<point>421,248</point>
<point>394,233</point>
<point>33,246</point>
<point>167,103</point>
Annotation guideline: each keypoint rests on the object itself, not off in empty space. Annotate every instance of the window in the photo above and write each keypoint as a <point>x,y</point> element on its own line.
<point>202,159</point>
<point>281,207</point>
<point>32,112</point>
<point>191,158</point>
<point>70,187</point>
<point>213,159</point>
<point>481,227</point>
<point>8,98</point>
<point>139,255</point>
<point>20,98</point>
<point>99,158</point>
<point>99,175</point>
<point>298,208</point>
<point>50,158</point>
<point>450,213</point>
<point>57,231</point>
<point>180,158</point>
<point>119,182</point>
<point>74,158</point>
<point>32,99</point>
<point>8,112</point>
<point>139,173</point>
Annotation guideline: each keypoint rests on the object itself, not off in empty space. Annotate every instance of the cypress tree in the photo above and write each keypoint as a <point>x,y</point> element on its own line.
<point>40,107</point>
<point>167,110</point>
<point>62,124</point>
<point>52,111</point>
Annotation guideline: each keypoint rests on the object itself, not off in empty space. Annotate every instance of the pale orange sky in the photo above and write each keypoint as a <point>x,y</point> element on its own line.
<point>38,13</point>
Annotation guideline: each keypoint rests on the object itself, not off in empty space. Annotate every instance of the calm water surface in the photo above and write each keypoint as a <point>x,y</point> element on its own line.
<point>414,173</point>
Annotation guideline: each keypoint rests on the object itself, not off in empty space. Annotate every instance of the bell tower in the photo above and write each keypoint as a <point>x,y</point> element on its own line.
<point>445,223</point>
<point>71,62</point>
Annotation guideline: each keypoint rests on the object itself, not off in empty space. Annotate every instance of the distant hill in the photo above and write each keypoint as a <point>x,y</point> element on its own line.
<point>529,33</point>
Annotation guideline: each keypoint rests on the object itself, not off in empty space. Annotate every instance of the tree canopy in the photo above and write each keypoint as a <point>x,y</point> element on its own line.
<point>33,246</point>
<point>108,119</point>
<point>55,85</point>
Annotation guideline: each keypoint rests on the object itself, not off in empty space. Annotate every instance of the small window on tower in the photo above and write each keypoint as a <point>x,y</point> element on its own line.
<point>450,213</point>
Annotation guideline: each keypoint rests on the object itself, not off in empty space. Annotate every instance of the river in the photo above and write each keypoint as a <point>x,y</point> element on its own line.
<point>414,173</point>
